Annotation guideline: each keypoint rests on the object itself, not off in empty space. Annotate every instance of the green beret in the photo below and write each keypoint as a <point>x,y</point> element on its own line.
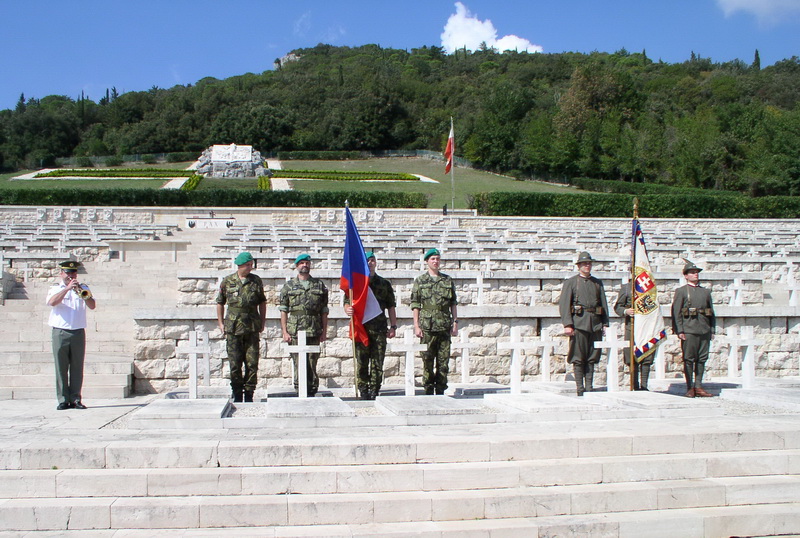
<point>243,258</point>
<point>302,257</point>
<point>431,252</point>
<point>70,265</point>
<point>369,254</point>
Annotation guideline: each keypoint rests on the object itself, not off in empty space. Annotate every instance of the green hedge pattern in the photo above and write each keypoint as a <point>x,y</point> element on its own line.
<point>621,205</point>
<point>334,175</point>
<point>122,172</point>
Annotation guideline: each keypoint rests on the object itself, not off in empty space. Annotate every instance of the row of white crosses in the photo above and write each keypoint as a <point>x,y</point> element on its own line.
<point>199,349</point>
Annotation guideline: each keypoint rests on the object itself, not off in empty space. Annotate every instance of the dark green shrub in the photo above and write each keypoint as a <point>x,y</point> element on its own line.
<point>191,183</point>
<point>149,159</point>
<point>181,156</point>
<point>84,162</point>
<point>113,160</point>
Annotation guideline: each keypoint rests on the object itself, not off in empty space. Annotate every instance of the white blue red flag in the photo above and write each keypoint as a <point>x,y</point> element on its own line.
<point>355,277</point>
<point>648,325</point>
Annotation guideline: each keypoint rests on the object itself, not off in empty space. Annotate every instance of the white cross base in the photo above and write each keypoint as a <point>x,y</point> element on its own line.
<point>302,349</point>
<point>516,345</point>
<point>614,345</point>
<point>198,347</point>
<point>464,345</point>
<point>410,348</point>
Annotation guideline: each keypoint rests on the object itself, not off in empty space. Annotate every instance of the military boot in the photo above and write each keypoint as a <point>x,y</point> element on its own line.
<point>588,376</point>
<point>577,372</point>
<point>237,396</point>
<point>688,371</point>
<point>644,371</point>
<point>248,396</point>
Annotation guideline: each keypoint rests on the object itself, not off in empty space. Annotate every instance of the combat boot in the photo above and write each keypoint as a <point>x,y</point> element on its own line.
<point>237,396</point>
<point>577,372</point>
<point>588,375</point>
<point>248,396</point>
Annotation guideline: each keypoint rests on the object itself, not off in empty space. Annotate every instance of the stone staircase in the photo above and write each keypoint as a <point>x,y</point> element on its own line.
<point>673,476</point>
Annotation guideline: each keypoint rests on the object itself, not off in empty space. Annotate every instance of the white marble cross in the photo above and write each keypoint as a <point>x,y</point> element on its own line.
<point>516,345</point>
<point>409,347</point>
<point>198,348</point>
<point>748,341</point>
<point>614,345</point>
<point>302,349</point>
<point>793,286</point>
<point>464,345</point>
<point>736,290</point>
<point>548,345</point>
<point>480,286</point>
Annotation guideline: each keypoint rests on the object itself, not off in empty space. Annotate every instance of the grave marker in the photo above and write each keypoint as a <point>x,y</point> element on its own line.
<point>464,345</point>
<point>302,349</point>
<point>409,347</point>
<point>516,345</point>
<point>198,348</point>
<point>613,345</point>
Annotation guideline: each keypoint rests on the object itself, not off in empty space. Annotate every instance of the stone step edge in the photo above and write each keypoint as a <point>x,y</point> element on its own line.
<point>199,512</point>
<point>778,519</point>
<point>349,479</point>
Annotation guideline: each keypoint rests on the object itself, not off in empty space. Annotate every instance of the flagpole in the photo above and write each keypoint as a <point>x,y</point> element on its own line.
<point>453,171</point>
<point>353,334</point>
<point>631,337</point>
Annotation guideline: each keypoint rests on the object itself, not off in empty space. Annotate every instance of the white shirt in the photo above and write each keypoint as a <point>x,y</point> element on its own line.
<point>70,314</point>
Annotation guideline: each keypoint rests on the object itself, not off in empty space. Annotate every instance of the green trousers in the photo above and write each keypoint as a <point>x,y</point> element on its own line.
<point>69,347</point>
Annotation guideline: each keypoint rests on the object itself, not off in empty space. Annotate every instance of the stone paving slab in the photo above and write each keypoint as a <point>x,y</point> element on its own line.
<point>647,400</point>
<point>308,407</point>
<point>536,402</point>
<point>781,398</point>
<point>428,405</point>
<point>202,413</point>
<point>476,389</point>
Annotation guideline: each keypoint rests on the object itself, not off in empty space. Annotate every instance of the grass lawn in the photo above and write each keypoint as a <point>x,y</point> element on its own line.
<point>467,180</point>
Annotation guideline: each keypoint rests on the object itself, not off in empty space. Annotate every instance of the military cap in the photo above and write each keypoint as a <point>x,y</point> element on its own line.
<point>243,258</point>
<point>302,257</point>
<point>369,254</point>
<point>584,257</point>
<point>69,265</point>
<point>431,252</point>
<point>690,266</point>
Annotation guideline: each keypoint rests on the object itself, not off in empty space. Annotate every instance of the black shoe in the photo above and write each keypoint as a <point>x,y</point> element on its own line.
<point>237,397</point>
<point>440,391</point>
<point>428,391</point>
<point>62,406</point>
<point>78,405</point>
<point>248,397</point>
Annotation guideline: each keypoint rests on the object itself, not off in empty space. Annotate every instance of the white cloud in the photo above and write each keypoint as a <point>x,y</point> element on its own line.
<point>303,24</point>
<point>463,29</point>
<point>766,11</point>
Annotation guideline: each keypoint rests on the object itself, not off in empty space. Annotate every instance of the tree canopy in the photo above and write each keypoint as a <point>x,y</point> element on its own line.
<point>620,116</point>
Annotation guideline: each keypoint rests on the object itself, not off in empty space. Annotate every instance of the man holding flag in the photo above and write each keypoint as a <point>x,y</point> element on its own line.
<point>369,356</point>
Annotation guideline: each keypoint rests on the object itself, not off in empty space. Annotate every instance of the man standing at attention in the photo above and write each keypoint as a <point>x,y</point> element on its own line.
<point>243,292</point>
<point>433,304</point>
<point>304,307</point>
<point>370,358</point>
<point>641,369</point>
<point>584,314</point>
<point>694,321</point>
<point>69,300</point>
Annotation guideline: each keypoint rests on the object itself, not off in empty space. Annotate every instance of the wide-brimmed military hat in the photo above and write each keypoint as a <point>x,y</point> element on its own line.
<point>243,258</point>
<point>584,257</point>
<point>690,266</point>
<point>302,257</point>
<point>69,265</point>
<point>369,254</point>
<point>431,252</point>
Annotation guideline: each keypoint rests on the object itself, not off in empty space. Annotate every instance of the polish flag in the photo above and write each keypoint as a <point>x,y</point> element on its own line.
<point>450,150</point>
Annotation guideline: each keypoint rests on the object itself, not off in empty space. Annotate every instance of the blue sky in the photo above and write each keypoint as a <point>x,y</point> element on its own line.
<point>55,47</point>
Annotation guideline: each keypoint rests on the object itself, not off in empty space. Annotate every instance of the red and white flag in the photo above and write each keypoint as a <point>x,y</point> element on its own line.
<point>449,150</point>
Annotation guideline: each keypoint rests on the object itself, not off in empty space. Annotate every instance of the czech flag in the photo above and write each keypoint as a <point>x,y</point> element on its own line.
<point>449,150</point>
<point>355,277</point>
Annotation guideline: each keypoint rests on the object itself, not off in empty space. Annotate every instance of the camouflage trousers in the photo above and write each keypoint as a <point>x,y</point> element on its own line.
<point>312,380</point>
<point>243,350</point>
<point>369,361</point>
<point>435,361</point>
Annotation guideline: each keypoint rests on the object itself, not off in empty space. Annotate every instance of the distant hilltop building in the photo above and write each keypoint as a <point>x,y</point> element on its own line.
<point>231,161</point>
<point>291,57</point>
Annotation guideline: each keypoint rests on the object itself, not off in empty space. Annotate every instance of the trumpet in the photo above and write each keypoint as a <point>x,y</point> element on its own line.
<point>83,293</point>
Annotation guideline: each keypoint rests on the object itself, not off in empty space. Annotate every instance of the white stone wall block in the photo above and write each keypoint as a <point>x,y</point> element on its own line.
<point>243,511</point>
<point>156,513</point>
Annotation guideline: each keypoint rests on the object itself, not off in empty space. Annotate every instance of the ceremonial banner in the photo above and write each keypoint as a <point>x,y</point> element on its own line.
<point>648,325</point>
<point>355,277</point>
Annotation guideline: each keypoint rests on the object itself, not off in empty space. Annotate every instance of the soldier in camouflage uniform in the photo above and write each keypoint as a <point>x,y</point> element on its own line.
<point>369,358</point>
<point>584,314</point>
<point>304,307</point>
<point>243,292</point>
<point>433,304</point>
<point>694,321</point>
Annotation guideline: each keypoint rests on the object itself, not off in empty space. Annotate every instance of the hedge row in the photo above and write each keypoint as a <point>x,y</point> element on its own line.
<point>191,183</point>
<point>182,156</point>
<point>208,198</point>
<point>336,175</point>
<point>623,187</point>
<point>264,183</point>
<point>321,155</point>
<point>122,172</point>
<point>621,205</point>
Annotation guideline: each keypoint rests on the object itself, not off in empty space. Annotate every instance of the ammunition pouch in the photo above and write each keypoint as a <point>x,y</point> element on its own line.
<point>694,312</point>
<point>578,309</point>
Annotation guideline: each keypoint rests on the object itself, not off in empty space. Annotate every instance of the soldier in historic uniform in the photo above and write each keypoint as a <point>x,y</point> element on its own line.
<point>243,292</point>
<point>369,358</point>
<point>69,300</point>
<point>584,314</point>
<point>433,304</point>
<point>641,369</point>
<point>304,307</point>
<point>694,321</point>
